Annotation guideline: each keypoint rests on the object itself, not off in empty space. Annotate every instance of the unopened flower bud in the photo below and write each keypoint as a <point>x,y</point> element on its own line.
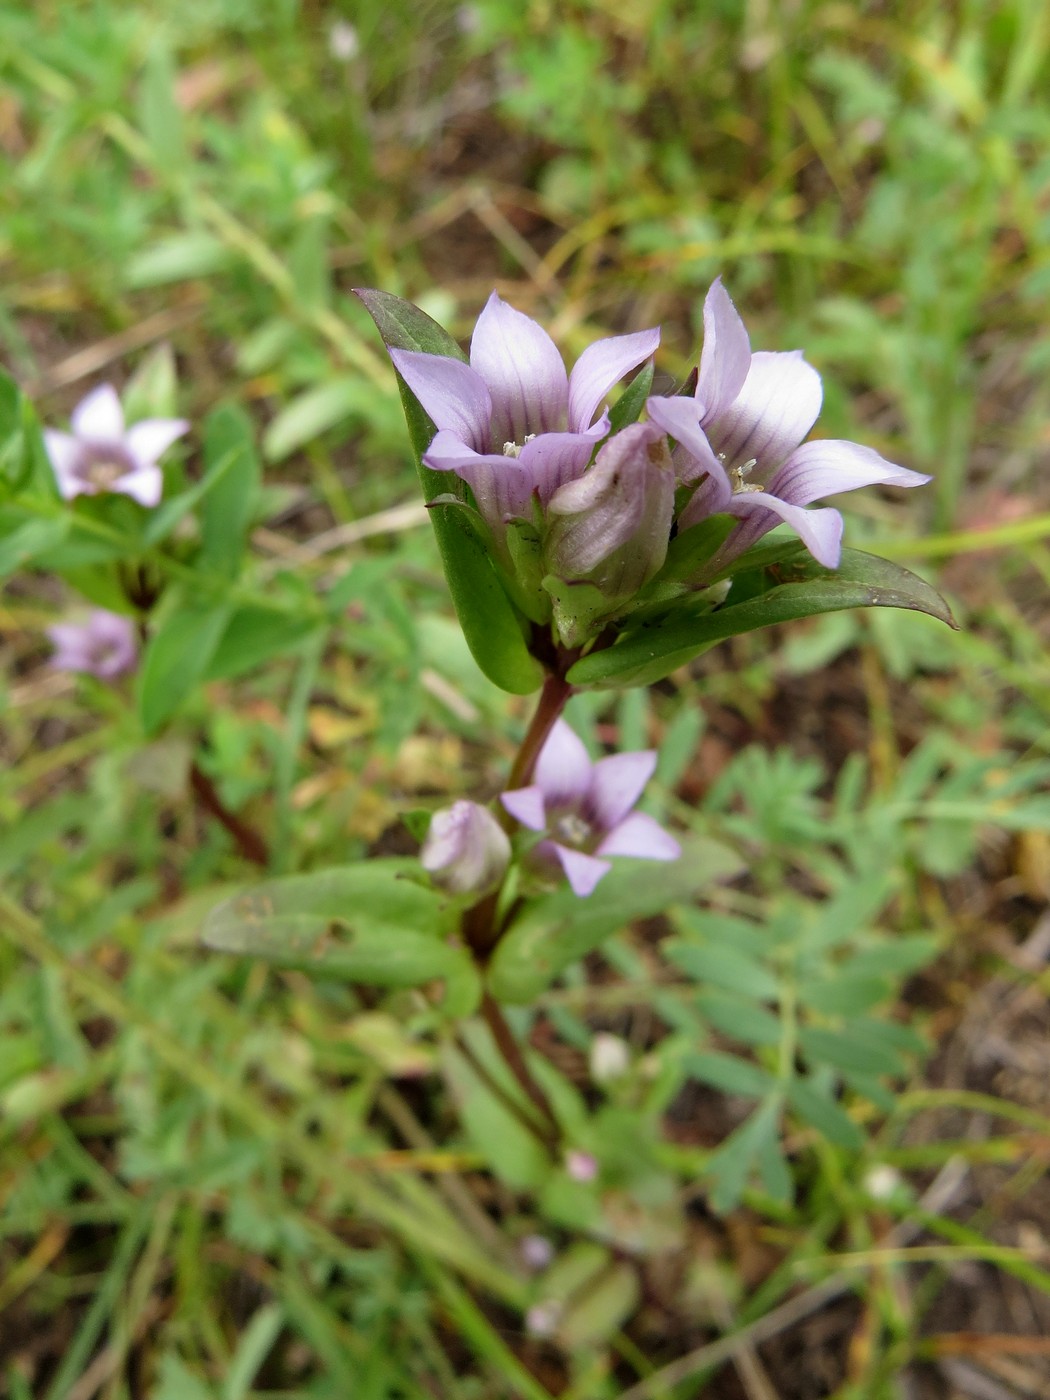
<point>610,1057</point>
<point>466,850</point>
<point>611,526</point>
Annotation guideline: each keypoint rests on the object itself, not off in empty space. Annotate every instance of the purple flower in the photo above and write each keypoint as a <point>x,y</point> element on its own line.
<point>102,455</point>
<point>740,442</point>
<point>611,525</point>
<point>512,422</point>
<point>106,645</point>
<point>466,850</point>
<point>586,810</point>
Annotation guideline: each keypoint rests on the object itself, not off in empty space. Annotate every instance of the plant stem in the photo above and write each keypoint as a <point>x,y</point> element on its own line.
<point>515,1061</point>
<point>553,697</point>
<point>250,844</point>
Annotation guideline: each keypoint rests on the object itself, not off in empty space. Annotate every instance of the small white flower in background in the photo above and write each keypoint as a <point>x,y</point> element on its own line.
<point>536,1252</point>
<point>344,43</point>
<point>610,1058</point>
<point>102,455</point>
<point>581,1166</point>
<point>466,850</point>
<point>542,1319</point>
<point>105,645</point>
<point>883,1182</point>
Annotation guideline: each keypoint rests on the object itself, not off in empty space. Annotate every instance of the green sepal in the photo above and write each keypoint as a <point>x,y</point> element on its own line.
<point>560,928</point>
<point>792,586</point>
<point>580,608</point>
<point>628,407</point>
<point>370,922</point>
<point>494,628</point>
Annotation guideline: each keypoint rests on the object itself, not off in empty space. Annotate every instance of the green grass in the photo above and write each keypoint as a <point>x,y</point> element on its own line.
<point>222,1181</point>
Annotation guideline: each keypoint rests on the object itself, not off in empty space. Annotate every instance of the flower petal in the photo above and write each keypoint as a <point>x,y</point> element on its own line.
<point>828,466</point>
<point>99,417</point>
<point>145,485</point>
<point>523,370</point>
<point>148,440</point>
<point>526,805</point>
<point>563,769</point>
<point>773,412</point>
<point>641,836</point>
<point>502,486</point>
<point>65,454</point>
<point>617,783</point>
<point>453,396</point>
<point>602,365</point>
<point>554,459</point>
<point>726,356</point>
<point>819,530</point>
<point>582,871</point>
<point>678,418</point>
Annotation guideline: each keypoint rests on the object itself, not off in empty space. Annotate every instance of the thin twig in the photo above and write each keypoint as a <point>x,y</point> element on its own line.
<point>515,1060</point>
<point>250,844</point>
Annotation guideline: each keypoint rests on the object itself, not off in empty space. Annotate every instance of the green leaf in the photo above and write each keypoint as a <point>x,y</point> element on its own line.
<point>724,967</point>
<point>367,922</point>
<point>254,635</point>
<point>559,929</point>
<point>738,1018</point>
<point>176,660</point>
<point>493,627</point>
<point>21,544</point>
<point>628,407</point>
<point>846,994</point>
<point>730,1166</point>
<point>729,1073</point>
<point>845,1050</point>
<point>159,112</point>
<point>178,259</point>
<point>404,326</point>
<point>514,1153</point>
<point>152,391</point>
<point>230,502</point>
<point>824,1114</point>
<point>310,414</point>
<point>792,588</point>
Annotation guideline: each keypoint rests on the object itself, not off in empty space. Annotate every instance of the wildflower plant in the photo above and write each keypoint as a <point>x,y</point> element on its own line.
<point>593,539</point>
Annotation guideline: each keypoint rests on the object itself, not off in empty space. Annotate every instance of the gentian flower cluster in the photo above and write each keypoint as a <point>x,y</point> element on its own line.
<point>103,455</point>
<point>580,521</point>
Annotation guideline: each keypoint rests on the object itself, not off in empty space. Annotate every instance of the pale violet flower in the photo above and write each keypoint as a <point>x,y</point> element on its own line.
<point>741,442</point>
<point>585,810</point>
<point>512,423</point>
<point>466,851</point>
<point>536,1252</point>
<point>611,526</point>
<point>102,455</point>
<point>581,1166</point>
<point>104,645</point>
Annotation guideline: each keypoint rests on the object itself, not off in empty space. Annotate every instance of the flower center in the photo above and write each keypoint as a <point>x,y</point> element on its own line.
<point>738,476</point>
<point>105,472</point>
<point>572,830</point>
<point>513,449</point>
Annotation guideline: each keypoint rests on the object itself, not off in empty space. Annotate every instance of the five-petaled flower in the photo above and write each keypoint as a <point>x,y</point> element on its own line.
<point>105,645</point>
<point>741,442</point>
<point>512,423</point>
<point>586,810</point>
<point>102,455</point>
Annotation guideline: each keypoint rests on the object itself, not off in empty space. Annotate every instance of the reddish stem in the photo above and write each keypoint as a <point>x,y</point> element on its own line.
<point>248,841</point>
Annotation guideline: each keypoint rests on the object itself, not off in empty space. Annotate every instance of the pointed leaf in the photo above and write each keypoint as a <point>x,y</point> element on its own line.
<point>176,660</point>
<point>560,928</point>
<point>790,589</point>
<point>230,503</point>
<point>363,923</point>
<point>493,627</point>
<point>628,407</point>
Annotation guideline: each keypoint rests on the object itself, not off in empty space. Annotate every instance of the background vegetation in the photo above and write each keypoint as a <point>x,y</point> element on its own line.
<point>822,1165</point>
